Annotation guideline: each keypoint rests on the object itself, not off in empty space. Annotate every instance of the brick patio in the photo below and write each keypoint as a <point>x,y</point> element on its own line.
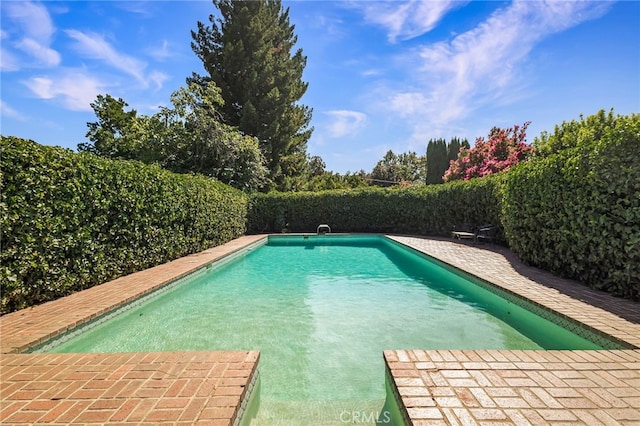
<point>153,388</point>
<point>434,387</point>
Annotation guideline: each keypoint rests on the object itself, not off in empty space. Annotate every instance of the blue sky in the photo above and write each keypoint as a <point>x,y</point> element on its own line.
<point>382,75</point>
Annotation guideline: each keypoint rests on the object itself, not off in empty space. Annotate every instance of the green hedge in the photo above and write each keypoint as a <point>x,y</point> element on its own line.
<point>70,221</point>
<point>427,210</point>
<point>577,212</point>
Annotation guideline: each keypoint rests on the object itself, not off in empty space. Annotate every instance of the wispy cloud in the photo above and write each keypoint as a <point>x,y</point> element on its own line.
<point>158,78</point>
<point>410,19</point>
<point>74,88</point>
<point>44,54</point>
<point>37,30</point>
<point>484,65</point>
<point>7,111</point>
<point>138,7</point>
<point>8,61</point>
<point>345,123</point>
<point>94,46</point>
<point>160,53</point>
<point>33,18</point>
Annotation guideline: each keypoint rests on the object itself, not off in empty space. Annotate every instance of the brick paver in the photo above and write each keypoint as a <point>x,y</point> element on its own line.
<point>124,388</point>
<point>506,387</point>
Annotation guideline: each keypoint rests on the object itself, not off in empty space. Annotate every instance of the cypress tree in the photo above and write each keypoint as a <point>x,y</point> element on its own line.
<point>437,162</point>
<point>453,149</point>
<point>248,52</point>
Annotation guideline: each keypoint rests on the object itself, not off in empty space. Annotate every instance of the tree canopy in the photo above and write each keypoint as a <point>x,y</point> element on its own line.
<point>437,161</point>
<point>248,52</point>
<point>399,168</point>
<point>189,137</point>
<point>439,155</point>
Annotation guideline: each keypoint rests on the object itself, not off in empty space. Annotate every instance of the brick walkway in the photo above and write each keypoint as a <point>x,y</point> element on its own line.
<point>434,387</point>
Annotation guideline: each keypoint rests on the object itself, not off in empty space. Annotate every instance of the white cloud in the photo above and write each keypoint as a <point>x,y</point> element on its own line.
<point>7,111</point>
<point>484,65</point>
<point>36,29</point>
<point>408,103</point>
<point>345,123</point>
<point>158,78</point>
<point>8,61</point>
<point>32,17</point>
<point>74,88</point>
<point>407,20</point>
<point>373,72</point>
<point>44,54</point>
<point>162,52</point>
<point>137,7</point>
<point>94,46</point>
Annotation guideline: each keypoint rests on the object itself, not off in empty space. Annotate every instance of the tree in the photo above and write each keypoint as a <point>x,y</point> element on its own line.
<point>437,162</point>
<point>439,156</point>
<point>504,149</point>
<point>330,180</point>
<point>247,52</point>
<point>200,142</point>
<point>111,135</point>
<point>453,149</point>
<point>394,169</point>
<point>187,138</point>
<point>317,166</point>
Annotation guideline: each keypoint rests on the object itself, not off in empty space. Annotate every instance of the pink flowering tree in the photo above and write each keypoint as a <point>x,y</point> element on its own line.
<point>503,149</point>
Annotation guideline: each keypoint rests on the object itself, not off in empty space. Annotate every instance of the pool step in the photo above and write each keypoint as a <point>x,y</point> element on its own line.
<point>319,413</point>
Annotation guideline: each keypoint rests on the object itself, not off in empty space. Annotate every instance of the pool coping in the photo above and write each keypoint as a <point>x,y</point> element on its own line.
<point>419,398</point>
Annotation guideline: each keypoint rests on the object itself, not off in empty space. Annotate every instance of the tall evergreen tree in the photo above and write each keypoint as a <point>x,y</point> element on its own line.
<point>454,148</point>
<point>248,52</point>
<point>437,162</point>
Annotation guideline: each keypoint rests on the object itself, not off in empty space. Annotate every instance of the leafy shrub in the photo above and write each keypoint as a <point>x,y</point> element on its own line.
<point>426,210</point>
<point>70,221</point>
<point>576,212</point>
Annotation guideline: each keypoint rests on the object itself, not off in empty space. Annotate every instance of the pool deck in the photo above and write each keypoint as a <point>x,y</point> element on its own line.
<point>434,386</point>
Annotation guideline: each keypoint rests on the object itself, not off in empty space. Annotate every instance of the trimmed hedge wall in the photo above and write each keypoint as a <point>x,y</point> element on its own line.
<point>426,210</point>
<point>577,212</point>
<point>70,221</point>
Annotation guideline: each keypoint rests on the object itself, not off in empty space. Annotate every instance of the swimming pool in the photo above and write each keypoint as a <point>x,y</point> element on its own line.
<point>321,310</point>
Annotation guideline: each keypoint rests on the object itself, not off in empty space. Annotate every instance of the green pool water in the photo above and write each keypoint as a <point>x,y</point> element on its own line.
<point>321,310</point>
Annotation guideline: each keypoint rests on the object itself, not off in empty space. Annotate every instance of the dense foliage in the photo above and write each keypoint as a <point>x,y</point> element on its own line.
<point>70,221</point>
<point>426,210</point>
<point>575,209</point>
<point>405,168</point>
<point>248,52</point>
<point>189,137</point>
<point>439,156</point>
<point>504,149</point>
